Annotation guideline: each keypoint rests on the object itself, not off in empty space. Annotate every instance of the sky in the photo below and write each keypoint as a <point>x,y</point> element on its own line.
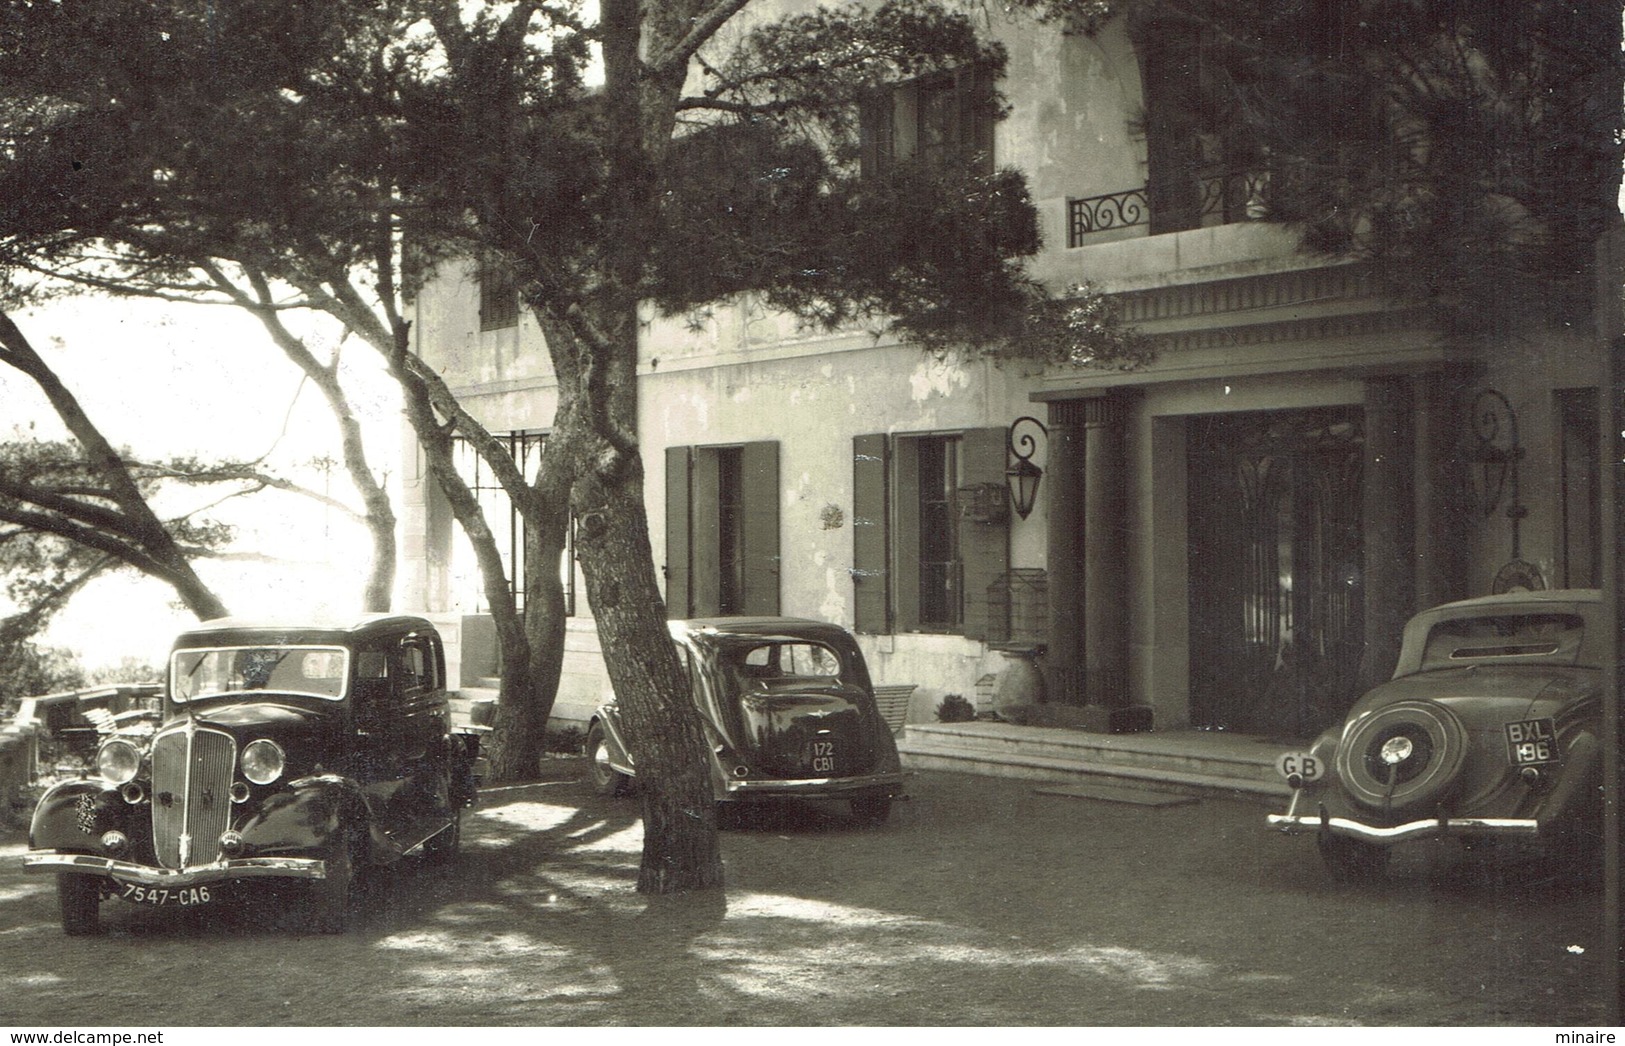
<point>166,380</point>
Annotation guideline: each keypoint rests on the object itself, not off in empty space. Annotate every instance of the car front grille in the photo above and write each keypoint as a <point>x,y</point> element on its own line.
<point>191,794</point>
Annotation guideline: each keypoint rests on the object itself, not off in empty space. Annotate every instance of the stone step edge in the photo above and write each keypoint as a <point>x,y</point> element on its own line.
<point>1194,767</point>
<point>1147,744</point>
<point>1094,754</point>
<point>1150,776</point>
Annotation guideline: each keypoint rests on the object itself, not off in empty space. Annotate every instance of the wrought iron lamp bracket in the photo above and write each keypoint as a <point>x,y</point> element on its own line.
<point>1022,477</point>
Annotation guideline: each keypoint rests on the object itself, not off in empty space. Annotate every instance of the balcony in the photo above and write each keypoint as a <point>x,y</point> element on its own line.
<point>1225,197</point>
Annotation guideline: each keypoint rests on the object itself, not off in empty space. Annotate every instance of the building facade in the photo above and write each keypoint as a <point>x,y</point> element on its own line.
<point>1227,538</point>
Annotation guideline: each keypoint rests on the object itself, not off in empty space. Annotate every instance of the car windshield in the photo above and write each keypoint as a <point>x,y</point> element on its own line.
<point>312,671</point>
<point>1466,640</point>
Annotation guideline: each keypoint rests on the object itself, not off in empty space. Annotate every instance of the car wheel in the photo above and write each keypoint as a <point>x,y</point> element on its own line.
<point>606,780</point>
<point>1352,860</point>
<point>871,809</point>
<point>80,898</point>
<point>1405,755</point>
<point>447,843</point>
<point>330,897</point>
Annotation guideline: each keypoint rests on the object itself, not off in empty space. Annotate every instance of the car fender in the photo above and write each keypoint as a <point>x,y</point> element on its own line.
<point>1577,785</point>
<point>468,768</point>
<point>621,759</point>
<point>72,816</point>
<point>311,815</point>
<point>614,741</point>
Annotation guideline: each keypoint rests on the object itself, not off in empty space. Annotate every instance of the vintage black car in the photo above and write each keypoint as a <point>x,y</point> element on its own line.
<point>788,710</point>
<point>289,752</point>
<point>1488,729</point>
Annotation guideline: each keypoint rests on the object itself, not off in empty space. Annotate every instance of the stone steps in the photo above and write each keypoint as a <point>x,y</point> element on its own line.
<point>1187,762</point>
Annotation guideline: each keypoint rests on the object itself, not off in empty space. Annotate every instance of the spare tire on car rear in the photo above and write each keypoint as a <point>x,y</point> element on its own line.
<point>1404,755</point>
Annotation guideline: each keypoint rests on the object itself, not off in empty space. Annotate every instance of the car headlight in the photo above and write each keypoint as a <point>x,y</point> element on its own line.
<point>263,761</point>
<point>118,761</point>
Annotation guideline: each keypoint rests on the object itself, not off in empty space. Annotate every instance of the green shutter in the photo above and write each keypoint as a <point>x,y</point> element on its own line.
<point>876,135</point>
<point>759,536</point>
<point>984,548</point>
<point>973,90</point>
<point>903,529</point>
<point>678,533</point>
<point>870,605</point>
<point>705,532</point>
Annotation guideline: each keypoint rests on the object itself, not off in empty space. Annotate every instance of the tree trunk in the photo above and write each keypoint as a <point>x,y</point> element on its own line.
<point>546,512</point>
<point>379,588</point>
<point>512,746</point>
<point>680,846</point>
<point>145,528</point>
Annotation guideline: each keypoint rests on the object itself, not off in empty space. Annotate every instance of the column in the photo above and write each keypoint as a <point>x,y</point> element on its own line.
<point>1063,490</point>
<point>1389,518</point>
<point>1105,555</point>
<point>1087,660</point>
<point>1443,496</point>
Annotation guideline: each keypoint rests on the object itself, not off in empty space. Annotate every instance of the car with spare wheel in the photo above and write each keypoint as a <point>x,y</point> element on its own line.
<point>1489,729</point>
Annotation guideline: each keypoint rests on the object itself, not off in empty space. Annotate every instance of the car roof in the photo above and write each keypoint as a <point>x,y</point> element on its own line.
<point>1583,601</point>
<point>231,630</point>
<point>756,626</point>
<point>1526,598</point>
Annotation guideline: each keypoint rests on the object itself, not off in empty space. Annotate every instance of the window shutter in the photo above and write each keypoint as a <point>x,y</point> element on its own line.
<point>1172,151</point>
<point>759,478</point>
<point>870,605</point>
<point>973,89</point>
<point>984,548</point>
<point>705,532</point>
<point>499,296</point>
<point>679,603</point>
<point>875,138</point>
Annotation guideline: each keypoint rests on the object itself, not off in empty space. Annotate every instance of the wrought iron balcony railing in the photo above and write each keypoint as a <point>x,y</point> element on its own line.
<point>1230,196</point>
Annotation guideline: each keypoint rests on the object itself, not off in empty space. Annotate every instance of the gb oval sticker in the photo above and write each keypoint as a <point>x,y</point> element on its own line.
<point>1302,765</point>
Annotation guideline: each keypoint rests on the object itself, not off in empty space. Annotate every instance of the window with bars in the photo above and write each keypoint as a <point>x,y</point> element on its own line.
<point>507,526</point>
<point>921,563</point>
<point>935,546</point>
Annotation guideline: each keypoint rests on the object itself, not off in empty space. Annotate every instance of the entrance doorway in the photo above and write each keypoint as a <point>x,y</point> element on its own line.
<point>1276,600</point>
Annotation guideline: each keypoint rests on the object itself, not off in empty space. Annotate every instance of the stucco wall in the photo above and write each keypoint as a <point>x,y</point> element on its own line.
<point>1249,323</point>
<point>814,394</point>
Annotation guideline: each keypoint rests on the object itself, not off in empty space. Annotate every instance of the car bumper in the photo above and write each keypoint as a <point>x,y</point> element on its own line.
<point>814,787</point>
<point>131,872</point>
<point>1296,824</point>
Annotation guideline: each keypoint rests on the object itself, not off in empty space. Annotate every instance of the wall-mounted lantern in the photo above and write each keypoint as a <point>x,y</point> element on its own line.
<point>1496,454</point>
<point>1023,476</point>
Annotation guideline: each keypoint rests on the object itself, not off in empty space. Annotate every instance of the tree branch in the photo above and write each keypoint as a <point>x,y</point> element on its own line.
<point>705,27</point>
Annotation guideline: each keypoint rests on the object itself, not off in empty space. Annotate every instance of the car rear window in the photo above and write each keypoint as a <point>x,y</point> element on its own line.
<point>779,659</point>
<point>1504,637</point>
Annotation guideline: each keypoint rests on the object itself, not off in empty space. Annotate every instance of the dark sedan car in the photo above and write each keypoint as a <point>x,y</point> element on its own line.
<point>1488,728</point>
<point>788,710</point>
<point>289,752</point>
